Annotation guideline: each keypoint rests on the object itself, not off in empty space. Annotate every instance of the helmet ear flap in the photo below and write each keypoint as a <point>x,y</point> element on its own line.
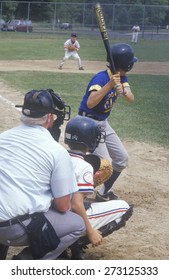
<point>130,66</point>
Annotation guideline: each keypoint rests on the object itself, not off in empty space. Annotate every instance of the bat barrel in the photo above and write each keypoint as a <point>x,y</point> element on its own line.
<point>103,32</point>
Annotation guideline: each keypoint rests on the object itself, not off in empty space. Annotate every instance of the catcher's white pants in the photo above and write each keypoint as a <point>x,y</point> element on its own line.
<point>102,213</point>
<point>72,54</point>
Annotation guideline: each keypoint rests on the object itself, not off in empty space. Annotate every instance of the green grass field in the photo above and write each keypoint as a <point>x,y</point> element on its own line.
<point>147,119</point>
<point>50,46</point>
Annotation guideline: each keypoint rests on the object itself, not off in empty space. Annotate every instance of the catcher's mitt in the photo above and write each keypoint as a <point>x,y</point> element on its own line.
<point>71,48</point>
<point>104,172</point>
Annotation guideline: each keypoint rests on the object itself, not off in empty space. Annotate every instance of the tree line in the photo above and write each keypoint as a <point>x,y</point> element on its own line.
<point>118,13</point>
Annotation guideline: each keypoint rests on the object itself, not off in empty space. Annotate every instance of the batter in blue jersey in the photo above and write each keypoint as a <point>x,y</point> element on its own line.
<point>97,103</point>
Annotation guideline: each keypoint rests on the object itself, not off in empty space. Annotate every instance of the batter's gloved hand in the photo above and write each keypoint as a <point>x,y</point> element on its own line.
<point>104,172</point>
<point>119,89</point>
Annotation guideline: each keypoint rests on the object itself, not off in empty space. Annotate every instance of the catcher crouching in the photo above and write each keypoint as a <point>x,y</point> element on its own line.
<point>82,135</point>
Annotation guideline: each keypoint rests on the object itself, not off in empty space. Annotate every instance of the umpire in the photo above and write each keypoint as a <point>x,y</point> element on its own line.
<point>33,181</point>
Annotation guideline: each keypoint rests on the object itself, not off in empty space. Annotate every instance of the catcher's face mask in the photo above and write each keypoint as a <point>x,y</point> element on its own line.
<point>99,138</point>
<point>38,103</point>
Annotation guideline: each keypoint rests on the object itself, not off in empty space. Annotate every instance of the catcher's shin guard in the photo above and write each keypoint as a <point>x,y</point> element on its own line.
<point>107,229</point>
<point>113,226</point>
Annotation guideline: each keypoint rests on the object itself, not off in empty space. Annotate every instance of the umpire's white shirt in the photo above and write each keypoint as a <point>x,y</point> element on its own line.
<point>33,169</point>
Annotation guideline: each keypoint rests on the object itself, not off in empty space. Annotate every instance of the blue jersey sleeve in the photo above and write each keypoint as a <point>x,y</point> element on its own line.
<point>102,110</point>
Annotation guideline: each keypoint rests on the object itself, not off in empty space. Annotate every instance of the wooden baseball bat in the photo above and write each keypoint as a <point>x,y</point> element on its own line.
<point>103,32</point>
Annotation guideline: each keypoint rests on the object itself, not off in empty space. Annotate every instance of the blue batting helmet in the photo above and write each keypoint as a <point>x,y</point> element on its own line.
<point>83,130</point>
<point>123,56</point>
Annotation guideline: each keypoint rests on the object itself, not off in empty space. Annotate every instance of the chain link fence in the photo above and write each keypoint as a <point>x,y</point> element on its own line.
<point>54,17</point>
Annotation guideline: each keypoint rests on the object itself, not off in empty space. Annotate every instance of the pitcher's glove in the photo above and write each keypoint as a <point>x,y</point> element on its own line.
<point>71,48</point>
<point>104,172</point>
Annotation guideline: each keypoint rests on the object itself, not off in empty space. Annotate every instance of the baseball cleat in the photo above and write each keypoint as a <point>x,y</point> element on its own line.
<point>3,251</point>
<point>78,255</point>
<point>81,68</point>
<point>64,255</point>
<point>105,197</point>
<point>15,257</point>
<point>25,254</point>
<point>60,67</point>
<point>77,252</point>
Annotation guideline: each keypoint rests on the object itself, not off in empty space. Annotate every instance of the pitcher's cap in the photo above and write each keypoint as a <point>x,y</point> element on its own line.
<point>73,35</point>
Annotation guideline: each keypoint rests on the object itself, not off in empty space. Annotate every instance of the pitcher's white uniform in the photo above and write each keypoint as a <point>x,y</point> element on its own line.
<point>73,53</point>
<point>99,213</point>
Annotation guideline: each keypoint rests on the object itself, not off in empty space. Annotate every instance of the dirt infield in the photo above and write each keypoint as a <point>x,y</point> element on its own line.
<point>154,68</point>
<point>144,183</point>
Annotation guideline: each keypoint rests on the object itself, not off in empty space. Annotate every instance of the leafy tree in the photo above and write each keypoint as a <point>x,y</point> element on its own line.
<point>127,12</point>
<point>8,9</point>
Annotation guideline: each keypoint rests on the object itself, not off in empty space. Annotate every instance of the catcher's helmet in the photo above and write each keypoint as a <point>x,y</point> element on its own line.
<point>83,130</point>
<point>123,56</point>
<point>38,103</point>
